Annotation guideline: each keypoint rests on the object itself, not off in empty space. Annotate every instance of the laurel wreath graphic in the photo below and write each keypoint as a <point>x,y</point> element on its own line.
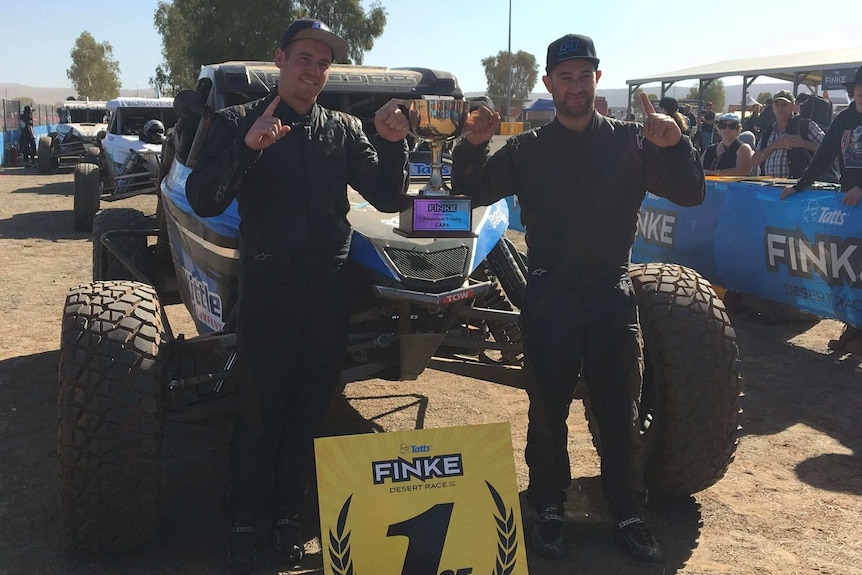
<point>507,531</point>
<point>507,540</point>
<point>339,543</point>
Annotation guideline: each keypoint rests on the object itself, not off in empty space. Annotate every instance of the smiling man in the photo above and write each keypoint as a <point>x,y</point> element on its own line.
<point>288,162</point>
<point>580,181</point>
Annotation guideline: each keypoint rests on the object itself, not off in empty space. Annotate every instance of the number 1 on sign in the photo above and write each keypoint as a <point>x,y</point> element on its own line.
<point>426,535</point>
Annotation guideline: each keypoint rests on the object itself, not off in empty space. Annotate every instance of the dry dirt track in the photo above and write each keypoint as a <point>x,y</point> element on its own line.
<point>789,504</point>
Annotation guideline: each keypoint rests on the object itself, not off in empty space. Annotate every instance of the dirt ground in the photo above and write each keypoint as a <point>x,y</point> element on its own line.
<point>790,503</point>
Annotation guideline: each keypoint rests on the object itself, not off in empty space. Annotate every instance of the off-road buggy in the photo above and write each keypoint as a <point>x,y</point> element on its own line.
<point>125,161</point>
<point>81,123</point>
<point>448,303</point>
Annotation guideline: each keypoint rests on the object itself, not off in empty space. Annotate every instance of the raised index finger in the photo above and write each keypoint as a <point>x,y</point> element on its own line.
<point>646,105</point>
<point>270,110</point>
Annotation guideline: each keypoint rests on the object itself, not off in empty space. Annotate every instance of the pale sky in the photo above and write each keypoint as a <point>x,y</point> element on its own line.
<point>454,35</point>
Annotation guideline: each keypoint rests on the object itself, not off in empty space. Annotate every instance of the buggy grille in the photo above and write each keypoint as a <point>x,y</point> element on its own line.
<point>429,266</point>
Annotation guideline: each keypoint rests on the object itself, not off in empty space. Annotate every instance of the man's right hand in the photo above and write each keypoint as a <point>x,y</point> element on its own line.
<point>481,124</point>
<point>267,129</point>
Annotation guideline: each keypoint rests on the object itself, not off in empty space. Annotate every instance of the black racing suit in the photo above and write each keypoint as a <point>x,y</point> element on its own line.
<point>843,140</point>
<point>580,194</point>
<point>293,315</point>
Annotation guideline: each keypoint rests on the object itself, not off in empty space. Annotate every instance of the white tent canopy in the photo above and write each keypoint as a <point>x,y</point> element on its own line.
<point>807,68</point>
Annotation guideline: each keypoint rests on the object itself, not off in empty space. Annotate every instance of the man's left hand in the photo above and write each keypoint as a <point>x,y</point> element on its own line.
<point>390,121</point>
<point>659,129</point>
<point>852,196</point>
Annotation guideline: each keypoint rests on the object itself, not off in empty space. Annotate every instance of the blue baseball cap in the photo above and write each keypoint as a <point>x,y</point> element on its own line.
<point>570,47</point>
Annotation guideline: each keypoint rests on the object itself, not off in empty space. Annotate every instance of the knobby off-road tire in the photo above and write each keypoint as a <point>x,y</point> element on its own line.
<point>87,195</point>
<point>690,408</point>
<point>43,155</point>
<point>110,411</point>
<point>133,247</point>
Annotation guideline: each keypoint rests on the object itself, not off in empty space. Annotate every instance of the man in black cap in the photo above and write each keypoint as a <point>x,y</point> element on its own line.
<point>288,162</point>
<point>580,181</point>
<point>27,137</point>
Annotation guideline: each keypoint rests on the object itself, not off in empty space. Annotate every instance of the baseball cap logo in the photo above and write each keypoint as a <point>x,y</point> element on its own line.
<point>568,47</point>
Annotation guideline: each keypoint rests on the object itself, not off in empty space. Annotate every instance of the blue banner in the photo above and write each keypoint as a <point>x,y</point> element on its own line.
<point>805,252</point>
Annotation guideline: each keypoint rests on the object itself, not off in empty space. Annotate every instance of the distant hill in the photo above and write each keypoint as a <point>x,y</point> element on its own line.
<point>52,96</point>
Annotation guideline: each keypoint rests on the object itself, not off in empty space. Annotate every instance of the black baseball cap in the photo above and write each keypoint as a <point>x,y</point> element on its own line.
<point>569,47</point>
<point>315,30</point>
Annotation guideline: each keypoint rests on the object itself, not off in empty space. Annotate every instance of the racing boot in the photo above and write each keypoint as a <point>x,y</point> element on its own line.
<point>287,540</point>
<point>548,533</point>
<point>241,553</point>
<point>635,539</point>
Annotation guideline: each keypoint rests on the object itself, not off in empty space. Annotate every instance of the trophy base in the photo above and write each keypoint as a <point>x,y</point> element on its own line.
<point>437,217</point>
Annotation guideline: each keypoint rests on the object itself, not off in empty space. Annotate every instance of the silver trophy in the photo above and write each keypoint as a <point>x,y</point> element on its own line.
<point>437,120</point>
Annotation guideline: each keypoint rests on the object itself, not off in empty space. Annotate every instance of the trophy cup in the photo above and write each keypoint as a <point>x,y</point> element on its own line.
<point>434,211</point>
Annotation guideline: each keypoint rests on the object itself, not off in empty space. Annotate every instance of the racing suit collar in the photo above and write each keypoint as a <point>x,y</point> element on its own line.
<point>594,125</point>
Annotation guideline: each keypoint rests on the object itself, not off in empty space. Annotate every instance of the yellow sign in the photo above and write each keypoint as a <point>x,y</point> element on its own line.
<point>423,502</point>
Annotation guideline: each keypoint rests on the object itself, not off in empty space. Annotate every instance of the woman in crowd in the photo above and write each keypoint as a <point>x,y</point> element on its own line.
<point>670,107</point>
<point>729,157</point>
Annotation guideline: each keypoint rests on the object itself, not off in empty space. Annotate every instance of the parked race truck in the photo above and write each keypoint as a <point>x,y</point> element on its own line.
<point>124,160</point>
<point>82,123</point>
<point>441,301</point>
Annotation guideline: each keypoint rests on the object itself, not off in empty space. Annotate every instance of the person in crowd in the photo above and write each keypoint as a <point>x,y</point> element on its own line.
<point>729,156</point>
<point>692,120</point>
<point>706,125</point>
<point>767,117</point>
<point>293,315</point>
<point>750,122</point>
<point>580,312</point>
<point>27,137</point>
<point>670,107</point>
<point>750,139</point>
<point>843,139</point>
<point>787,146</point>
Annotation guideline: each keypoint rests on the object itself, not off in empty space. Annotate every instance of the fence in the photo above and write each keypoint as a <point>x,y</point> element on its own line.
<point>44,120</point>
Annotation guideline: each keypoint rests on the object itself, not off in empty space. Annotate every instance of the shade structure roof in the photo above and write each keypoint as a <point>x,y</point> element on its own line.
<point>802,68</point>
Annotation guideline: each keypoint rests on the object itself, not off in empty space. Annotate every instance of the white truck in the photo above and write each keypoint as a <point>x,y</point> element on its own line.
<point>125,161</point>
<point>81,123</point>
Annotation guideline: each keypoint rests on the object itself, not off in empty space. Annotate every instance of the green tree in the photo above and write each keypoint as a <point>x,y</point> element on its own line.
<point>198,32</point>
<point>763,97</point>
<point>713,93</point>
<point>94,72</point>
<point>525,73</point>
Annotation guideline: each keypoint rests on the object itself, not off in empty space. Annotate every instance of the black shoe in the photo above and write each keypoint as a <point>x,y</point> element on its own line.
<point>636,540</point>
<point>241,554</point>
<point>287,540</point>
<point>548,533</point>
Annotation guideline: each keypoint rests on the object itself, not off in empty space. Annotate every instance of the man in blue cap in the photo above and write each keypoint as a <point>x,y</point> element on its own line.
<point>580,181</point>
